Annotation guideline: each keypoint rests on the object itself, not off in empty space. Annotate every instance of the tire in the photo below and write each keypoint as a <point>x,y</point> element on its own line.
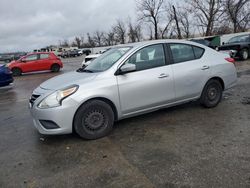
<point>94,120</point>
<point>244,54</point>
<point>211,94</point>
<point>16,71</point>
<point>55,68</point>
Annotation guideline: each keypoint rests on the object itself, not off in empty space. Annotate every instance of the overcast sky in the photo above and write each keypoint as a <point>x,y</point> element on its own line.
<point>31,24</point>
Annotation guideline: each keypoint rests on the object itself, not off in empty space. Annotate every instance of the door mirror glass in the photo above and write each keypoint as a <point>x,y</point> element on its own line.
<point>127,68</point>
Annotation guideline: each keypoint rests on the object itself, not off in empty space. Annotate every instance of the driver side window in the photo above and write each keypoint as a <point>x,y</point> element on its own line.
<point>148,58</point>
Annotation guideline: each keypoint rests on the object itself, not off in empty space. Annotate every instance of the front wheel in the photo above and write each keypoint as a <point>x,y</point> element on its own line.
<point>212,94</point>
<point>94,120</point>
<point>16,71</point>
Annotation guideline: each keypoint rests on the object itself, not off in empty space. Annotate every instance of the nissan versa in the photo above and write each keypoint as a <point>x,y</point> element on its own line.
<point>129,80</point>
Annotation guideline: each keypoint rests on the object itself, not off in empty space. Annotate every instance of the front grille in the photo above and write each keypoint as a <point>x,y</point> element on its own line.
<point>33,99</point>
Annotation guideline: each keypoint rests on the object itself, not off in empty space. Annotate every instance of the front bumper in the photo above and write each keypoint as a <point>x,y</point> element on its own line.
<point>62,116</point>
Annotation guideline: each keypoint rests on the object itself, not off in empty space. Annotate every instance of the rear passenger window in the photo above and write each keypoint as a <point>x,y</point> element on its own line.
<point>198,52</point>
<point>182,52</point>
<point>185,52</point>
<point>44,56</point>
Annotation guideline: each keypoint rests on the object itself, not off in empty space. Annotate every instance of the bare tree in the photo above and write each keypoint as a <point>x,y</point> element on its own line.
<point>238,13</point>
<point>207,13</point>
<point>150,11</point>
<point>64,43</point>
<point>120,32</point>
<point>78,42</point>
<point>134,32</point>
<point>177,23</point>
<point>98,38</point>
<point>109,38</point>
<point>185,22</point>
<point>91,42</point>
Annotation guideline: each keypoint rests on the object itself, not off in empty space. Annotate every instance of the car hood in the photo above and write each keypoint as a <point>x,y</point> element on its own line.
<point>67,79</point>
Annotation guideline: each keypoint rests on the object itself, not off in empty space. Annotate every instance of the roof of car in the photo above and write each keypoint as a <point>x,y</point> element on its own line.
<point>32,53</point>
<point>138,44</point>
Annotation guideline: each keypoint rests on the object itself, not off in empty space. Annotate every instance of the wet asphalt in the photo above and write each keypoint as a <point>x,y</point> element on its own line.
<point>184,146</point>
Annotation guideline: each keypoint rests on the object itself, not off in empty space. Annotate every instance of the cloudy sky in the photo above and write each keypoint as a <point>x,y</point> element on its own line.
<point>30,24</point>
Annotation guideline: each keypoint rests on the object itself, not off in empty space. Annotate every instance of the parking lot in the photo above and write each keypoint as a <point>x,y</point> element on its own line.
<point>184,146</point>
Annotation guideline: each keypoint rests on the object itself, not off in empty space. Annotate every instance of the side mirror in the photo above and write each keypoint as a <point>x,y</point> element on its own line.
<point>127,68</point>
<point>23,60</point>
<point>223,43</point>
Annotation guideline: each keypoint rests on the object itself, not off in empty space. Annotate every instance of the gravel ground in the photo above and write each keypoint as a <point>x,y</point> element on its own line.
<point>185,146</point>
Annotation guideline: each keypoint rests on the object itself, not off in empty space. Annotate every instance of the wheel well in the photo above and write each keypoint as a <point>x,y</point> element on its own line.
<point>16,68</point>
<point>55,64</point>
<point>220,80</point>
<point>109,102</point>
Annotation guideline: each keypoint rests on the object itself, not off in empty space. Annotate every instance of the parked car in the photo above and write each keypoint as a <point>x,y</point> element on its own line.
<point>65,54</point>
<point>87,60</point>
<point>129,80</point>
<point>19,55</point>
<point>204,42</point>
<point>39,61</point>
<point>74,53</point>
<point>5,76</point>
<point>6,58</point>
<point>238,46</point>
<point>86,51</point>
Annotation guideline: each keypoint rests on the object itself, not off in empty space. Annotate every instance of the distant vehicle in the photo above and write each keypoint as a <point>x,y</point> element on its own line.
<point>130,80</point>
<point>6,58</point>
<point>18,55</point>
<point>238,46</point>
<point>5,76</point>
<point>74,53</point>
<point>87,60</point>
<point>39,61</point>
<point>210,41</point>
<point>86,51</point>
<point>65,54</point>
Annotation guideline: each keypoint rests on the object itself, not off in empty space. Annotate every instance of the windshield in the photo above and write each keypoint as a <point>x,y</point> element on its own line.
<point>238,39</point>
<point>107,60</point>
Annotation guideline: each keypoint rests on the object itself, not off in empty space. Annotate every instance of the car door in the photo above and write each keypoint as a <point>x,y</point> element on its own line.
<point>29,63</point>
<point>150,85</point>
<point>44,62</point>
<point>190,71</point>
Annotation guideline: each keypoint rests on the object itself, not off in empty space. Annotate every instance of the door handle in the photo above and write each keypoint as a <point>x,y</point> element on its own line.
<point>163,75</point>
<point>205,67</point>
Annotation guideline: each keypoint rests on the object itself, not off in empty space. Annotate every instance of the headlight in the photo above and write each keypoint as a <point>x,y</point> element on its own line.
<point>55,99</point>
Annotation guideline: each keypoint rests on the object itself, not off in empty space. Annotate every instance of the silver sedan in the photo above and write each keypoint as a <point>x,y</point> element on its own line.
<point>129,80</point>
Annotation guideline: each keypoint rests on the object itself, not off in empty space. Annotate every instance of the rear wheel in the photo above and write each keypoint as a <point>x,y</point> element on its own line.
<point>212,94</point>
<point>55,68</point>
<point>94,120</point>
<point>16,71</point>
<point>244,54</point>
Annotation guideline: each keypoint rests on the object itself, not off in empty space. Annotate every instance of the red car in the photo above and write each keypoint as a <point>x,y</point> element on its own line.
<point>40,61</point>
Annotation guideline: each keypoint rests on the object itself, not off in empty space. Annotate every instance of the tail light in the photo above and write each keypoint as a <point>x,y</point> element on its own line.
<point>230,60</point>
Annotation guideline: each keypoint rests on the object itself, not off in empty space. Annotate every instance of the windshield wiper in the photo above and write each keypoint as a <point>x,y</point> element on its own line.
<point>84,70</point>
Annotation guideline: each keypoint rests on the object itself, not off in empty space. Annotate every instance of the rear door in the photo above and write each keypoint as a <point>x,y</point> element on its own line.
<point>44,62</point>
<point>150,85</point>
<point>190,70</point>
